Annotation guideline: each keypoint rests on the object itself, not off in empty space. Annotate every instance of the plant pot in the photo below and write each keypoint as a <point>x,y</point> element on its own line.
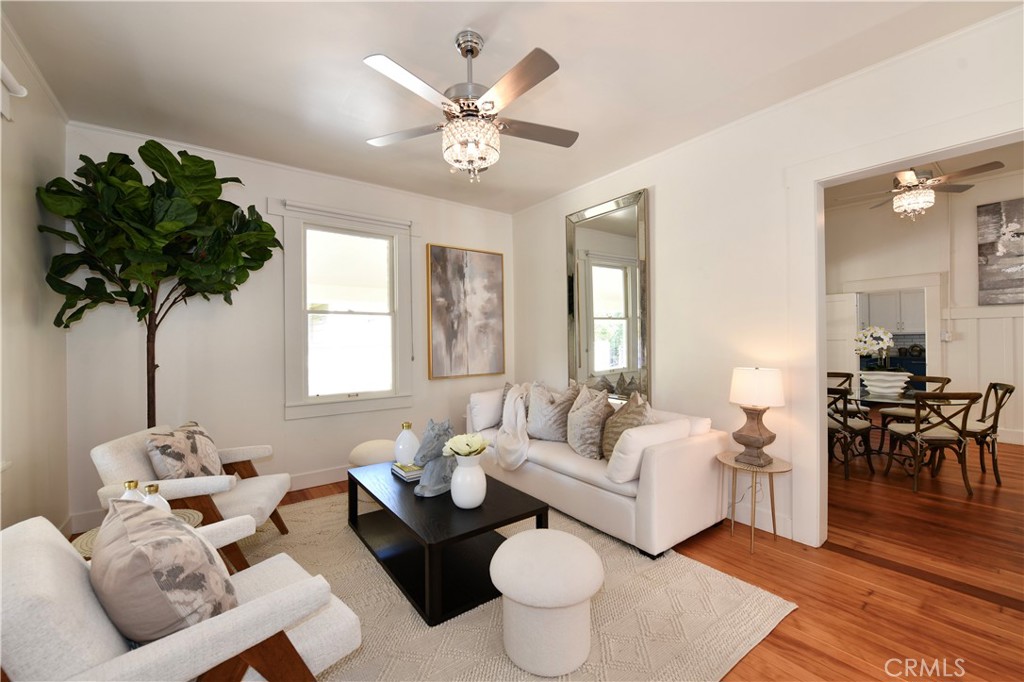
<point>885,383</point>
<point>469,484</point>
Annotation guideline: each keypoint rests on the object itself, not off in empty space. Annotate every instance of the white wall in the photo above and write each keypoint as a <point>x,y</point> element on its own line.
<point>986,341</point>
<point>224,365</point>
<point>737,241</point>
<point>33,445</point>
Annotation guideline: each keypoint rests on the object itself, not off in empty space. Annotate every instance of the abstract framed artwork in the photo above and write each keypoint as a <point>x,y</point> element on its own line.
<point>465,312</point>
<point>1001,253</point>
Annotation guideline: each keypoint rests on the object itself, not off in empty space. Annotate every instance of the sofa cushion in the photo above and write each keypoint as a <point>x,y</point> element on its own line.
<point>585,423</point>
<point>636,412</point>
<point>549,412</point>
<point>185,452</point>
<point>624,464</point>
<point>154,575</point>
<point>485,408</point>
<point>560,457</point>
<point>698,425</point>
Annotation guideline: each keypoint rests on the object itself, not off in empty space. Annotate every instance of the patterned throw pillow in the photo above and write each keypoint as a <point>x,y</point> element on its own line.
<point>186,452</point>
<point>636,412</point>
<point>154,575</point>
<point>549,412</point>
<point>586,422</point>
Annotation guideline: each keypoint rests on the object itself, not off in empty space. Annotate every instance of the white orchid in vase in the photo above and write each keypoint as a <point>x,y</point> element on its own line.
<point>465,445</point>
<point>874,341</point>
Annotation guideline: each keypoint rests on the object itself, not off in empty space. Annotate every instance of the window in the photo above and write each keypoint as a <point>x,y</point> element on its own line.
<point>614,325</point>
<point>348,328</point>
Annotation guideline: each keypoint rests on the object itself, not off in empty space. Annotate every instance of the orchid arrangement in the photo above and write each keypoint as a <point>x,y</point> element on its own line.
<point>873,341</point>
<point>465,445</point>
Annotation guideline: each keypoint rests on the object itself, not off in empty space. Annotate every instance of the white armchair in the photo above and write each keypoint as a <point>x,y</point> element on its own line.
<point>287,624</point>
<point>216,497</point>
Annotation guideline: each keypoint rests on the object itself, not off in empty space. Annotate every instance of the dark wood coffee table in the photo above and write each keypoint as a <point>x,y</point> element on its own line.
<point>437,554</point>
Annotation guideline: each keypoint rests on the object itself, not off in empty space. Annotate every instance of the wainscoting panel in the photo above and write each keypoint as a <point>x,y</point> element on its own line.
<point>987,346</point>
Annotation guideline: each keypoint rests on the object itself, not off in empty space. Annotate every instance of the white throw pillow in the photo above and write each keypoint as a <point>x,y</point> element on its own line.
<point>485,409</point>
<point>627,456</point>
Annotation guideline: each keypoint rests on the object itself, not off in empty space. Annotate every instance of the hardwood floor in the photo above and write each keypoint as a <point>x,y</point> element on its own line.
<point>926,586</point>
<point>933,578</point>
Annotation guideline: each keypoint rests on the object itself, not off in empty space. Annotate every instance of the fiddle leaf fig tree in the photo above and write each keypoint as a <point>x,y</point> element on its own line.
<point>151,246</point>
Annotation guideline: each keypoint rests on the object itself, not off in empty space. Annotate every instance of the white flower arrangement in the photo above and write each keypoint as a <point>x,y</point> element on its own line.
<point>465,445</point>
<point>873,341</point>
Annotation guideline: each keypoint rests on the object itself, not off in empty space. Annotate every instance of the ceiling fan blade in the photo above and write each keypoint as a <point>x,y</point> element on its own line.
<point>399,74</point>
<point>904,178</point>
<point>402,135</point>
<point>880,204</point>
<point>531,70</point>
<point>538,133</point>
<point>951,188</point>
<point>983,168</point>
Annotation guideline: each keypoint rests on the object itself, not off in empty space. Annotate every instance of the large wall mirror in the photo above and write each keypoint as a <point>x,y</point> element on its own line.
<point>609,315</point>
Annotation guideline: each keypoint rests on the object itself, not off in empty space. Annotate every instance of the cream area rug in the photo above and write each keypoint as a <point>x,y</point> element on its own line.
<point>671,618</point>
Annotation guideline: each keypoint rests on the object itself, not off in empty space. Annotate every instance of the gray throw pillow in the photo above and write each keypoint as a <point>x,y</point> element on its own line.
<point>636,412</point>
<point>549,412</point>
<point>154,575</point>
<point>586,422</point>
<point>183,453</point>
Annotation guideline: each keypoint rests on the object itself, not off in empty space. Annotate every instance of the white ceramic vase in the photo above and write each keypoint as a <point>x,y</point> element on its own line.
<point>469,484</point>
<point>885,383</point>
<point>406,445</point>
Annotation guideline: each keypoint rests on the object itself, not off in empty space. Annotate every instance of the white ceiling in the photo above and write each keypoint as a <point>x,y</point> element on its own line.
<point>285,82</point>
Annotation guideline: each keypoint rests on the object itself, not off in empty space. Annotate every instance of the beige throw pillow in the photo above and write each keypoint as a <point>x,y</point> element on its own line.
<point>636,412</point>
<point>586,422</point>
<point>183,453</point>
<point>546,419</point>
<point>154,575</point>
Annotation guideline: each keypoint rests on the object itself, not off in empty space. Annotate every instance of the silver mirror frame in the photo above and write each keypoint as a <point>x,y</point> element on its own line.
<point>577,219</point>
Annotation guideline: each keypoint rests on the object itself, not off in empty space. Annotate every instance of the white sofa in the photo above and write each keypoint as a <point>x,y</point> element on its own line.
<point>678,492</point>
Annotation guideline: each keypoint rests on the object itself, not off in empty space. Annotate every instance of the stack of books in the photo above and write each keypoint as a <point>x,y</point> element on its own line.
<point>407,472</point>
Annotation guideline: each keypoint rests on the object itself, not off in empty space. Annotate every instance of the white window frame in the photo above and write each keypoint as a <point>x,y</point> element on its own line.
<point>298,218</point>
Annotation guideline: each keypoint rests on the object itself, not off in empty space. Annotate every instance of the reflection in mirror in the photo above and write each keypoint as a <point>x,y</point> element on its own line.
<point>609,323</point>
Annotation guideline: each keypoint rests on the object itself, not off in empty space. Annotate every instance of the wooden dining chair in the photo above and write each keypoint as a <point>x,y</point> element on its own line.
<point>985,431</point>
<point>845,380</point>
<point>940,424</point>
<point>845,431</point>
<point>906,414</point>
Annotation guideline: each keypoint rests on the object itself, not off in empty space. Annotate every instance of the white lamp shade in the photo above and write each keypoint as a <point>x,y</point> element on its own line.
<point>757,387</point>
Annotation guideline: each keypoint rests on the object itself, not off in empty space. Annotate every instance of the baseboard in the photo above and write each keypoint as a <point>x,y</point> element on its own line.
<point>87,520</point>
<point>1015,436</point>
<point>311,479</point>
<point>65,528</point>
<point>784,522</point>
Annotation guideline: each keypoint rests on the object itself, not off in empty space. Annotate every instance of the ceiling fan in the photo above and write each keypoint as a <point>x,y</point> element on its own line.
<point>470,134</point>
<point>914,191</point>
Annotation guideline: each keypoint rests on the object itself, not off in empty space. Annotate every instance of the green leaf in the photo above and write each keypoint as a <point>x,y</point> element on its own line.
<point>61,201</point>
<point>63,288</point>
<point>66,236</point>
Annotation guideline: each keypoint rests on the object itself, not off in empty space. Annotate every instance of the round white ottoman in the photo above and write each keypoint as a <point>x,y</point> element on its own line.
<point>372,452</point>
<point>546,578</point>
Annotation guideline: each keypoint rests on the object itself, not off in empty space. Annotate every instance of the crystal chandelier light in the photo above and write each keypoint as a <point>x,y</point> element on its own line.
<point>913,202</point>
<point>470,144</point>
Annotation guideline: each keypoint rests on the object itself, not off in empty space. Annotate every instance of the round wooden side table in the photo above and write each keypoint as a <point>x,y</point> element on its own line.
<point>778,466</point>
<point>84,542</point>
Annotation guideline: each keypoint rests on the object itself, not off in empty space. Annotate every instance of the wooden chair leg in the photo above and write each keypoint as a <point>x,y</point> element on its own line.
<point>275,516</point>
<point>981,451</point>
<point>993,444</point>
<point>275,658</point>
<point>234,555</point>
<point>961,455</point>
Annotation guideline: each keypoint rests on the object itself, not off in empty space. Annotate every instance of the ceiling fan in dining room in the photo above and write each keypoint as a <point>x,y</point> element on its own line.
<point>471,132</point>
<point>914,191</point>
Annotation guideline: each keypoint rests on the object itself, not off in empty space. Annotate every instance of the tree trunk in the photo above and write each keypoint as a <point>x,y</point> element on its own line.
<point>151,327</point>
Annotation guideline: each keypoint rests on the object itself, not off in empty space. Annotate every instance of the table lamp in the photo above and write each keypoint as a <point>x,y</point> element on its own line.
<point>755,389</point>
